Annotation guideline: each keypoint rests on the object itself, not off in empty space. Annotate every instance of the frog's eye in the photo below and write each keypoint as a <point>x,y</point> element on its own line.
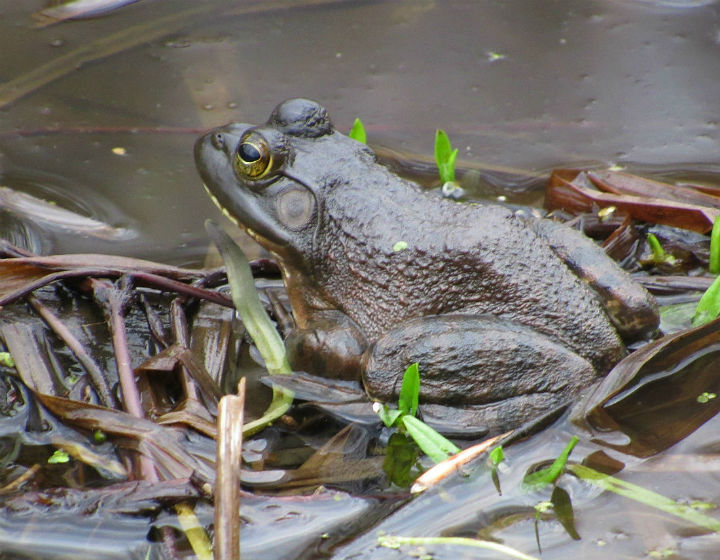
<point>253,158</point>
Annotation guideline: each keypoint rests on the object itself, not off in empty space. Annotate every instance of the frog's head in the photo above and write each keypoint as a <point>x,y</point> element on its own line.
<point>273,180</point>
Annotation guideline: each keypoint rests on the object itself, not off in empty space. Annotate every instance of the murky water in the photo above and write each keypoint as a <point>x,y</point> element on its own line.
<point>519,85</point>
<point>516,84</point>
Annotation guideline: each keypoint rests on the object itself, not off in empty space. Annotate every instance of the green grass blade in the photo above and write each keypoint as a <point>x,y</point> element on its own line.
<point>645,496</point>
<point>256,321</point>
<point>6,360</point>
<point>410,390</point>
<point>656,248</point>
<point>389,541</point>
<point>714,264</point>
<point>497,455</point>
<point>444,156</point>
<point>280,404</point>
<point>357,132</point>
<point>548,475</point>
<point>434,445</point>
<point>709,305</point>
<point>247,302</point>
<point>388,415</point>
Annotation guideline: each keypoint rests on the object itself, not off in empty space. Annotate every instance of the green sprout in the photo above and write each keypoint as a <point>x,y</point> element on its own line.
<point>645,496</point>
<point>659,254</point>
<point>58,457</point>
<point>256,321</point>
<point>708,308</point>
<point>357,132</point>
<point>6,360</point>
<point>714,264</point>
<point>395,542</point>
<point>445,157</point>
<point>709,305</point>
<point>497,455</point>
<point>548,475</point>
<point>706,397</point>
<point>434,445</point>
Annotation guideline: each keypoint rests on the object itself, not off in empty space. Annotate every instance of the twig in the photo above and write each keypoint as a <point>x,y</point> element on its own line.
<point>178,324</point>
<point>114,302</point>
<point>227,488</point>
<point>60,329</point>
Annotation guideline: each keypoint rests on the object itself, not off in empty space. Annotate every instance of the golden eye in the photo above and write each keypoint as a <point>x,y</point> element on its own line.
<point>253,158</point>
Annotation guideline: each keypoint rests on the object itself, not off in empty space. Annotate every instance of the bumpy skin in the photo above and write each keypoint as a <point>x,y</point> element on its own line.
<point>474,276</point>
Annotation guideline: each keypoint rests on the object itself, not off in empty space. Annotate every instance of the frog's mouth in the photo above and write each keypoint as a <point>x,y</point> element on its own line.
<point>225,211</point>
<point>233,219</point>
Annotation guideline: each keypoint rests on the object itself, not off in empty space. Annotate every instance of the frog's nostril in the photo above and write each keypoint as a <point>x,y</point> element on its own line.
<point>218,140</point>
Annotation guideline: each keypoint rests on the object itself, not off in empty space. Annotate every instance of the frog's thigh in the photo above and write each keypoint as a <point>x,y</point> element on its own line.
<point>630,307</point>
<point>473,359</point>
<point>331,345</point>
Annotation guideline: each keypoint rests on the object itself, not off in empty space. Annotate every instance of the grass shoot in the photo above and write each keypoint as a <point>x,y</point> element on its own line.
<point>357,132</point>
<point>256,321</point>
<point>433,444</point>
<point>445,157</point>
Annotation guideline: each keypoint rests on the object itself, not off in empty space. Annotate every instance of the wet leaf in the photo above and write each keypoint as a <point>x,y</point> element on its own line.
<point>395,542</point>
<point>162,444</point>
<point>548,475</point>
<point>256,321</point>
<point>435,446</point>
<point>410,390</point>
<point>82,452</point>
<point>247,302</point>
<point>562,505</point>
<point>651,396</point>
<point>579,191</point>
<point>401,459</point>
<point>708,308</point>
<point>714,262</point>
<point>497,456</point>
<point>20,276</point>
<point>645,496</point>
<point>388,416</point>
<point>55,217</point>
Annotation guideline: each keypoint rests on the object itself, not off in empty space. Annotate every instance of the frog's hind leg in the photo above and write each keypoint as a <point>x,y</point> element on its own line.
<point>510,371</point>
<point>632,310</point>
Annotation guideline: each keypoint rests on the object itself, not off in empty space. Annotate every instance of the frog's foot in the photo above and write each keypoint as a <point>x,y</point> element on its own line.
<point>510,371</point>
<point>632,310</point>
<point>330,345</point>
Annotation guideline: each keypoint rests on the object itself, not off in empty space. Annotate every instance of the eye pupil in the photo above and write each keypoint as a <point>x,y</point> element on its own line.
<point>253,157</point>
<point>249,153</point>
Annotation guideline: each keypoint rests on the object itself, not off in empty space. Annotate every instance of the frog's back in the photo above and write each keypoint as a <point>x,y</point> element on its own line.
<point>391,252</point>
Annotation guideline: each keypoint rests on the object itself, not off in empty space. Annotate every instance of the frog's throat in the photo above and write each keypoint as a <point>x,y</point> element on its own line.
<point>224,210</point>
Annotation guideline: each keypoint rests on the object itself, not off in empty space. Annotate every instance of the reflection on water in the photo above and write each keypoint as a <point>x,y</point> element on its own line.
<point>521,87</point>
<point>518,85</point>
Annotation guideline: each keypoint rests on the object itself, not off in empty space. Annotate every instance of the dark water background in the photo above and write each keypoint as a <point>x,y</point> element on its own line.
<point>519,84</point>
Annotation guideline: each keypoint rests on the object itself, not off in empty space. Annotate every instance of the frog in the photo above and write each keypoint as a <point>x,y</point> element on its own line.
<point>508,315</point>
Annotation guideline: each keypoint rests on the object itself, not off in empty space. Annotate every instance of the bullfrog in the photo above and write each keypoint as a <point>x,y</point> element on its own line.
<point>507,315</point>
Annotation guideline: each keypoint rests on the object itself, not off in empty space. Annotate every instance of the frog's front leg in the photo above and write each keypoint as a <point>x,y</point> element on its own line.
<point>330,345</point>
<point>506,372</point>
<point>632,310</point>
